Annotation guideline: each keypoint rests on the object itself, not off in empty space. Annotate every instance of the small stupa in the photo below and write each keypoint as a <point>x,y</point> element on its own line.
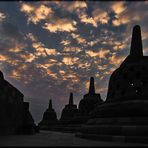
<point>49,117</point>
<point>69,111</point>
<point>90,100</point>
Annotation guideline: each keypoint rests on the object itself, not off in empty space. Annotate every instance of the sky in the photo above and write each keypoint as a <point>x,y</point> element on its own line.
<point>51,48</point>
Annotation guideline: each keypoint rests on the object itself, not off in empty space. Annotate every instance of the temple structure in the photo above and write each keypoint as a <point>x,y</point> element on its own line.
<point>69,111</point>
<point>14,112</point>
<point>49,118</point>
<point>86,106</point>
<point>124,115</point>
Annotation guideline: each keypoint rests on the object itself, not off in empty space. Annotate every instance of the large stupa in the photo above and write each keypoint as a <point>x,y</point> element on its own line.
<point>124,115</point>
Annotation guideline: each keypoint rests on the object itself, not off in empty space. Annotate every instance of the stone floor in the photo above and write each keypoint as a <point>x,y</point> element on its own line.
<point>48,138</point>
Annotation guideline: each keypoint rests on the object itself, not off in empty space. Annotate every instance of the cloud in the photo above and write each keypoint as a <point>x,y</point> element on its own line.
<point>36,13</point>
<point>100,16</point>
<point>63,25</point>
<point>51,51</point>
<point>118,7</point>
<point>3,58</point>
<point>116,60</point>
<point>31,37</point>
<point>71,49</point>
<point>78,38</point>
<point>72,6</point>
<point>15,74</point>
<point>2,17</point>
<point>69,60</point>
<point>40,49</point>
<point>84,18</point>
<point>101,53</point>
<point>65,42</point>
<point>29,57</point>
<point>124,15</point>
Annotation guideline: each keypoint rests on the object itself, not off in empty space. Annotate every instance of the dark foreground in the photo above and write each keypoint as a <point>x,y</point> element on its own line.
<point>48,138</point>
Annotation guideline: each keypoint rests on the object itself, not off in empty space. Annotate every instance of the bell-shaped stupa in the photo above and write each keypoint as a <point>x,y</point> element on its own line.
<point>49,117</point>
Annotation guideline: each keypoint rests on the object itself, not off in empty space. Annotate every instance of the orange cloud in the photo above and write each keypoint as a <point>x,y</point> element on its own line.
<point>63,25</point>
<point>29,57</point>
<point>3,58</point>
<point>121,20</point>
<point>100,16</point>
<point>40,50</point>
<point>51,51</point>
<point>118,7</point>
<point>31,37</point>
<point>87,20</point>
<point>119,10</point>
<point>2,16</point>
<point>116,60</point>
<point>101,53</point>
<point>78,38</point>
<point>36,13</point>
<point>72,6</point>
<point>72,49</point>
<point>15,74</point>
<point>65,42</point>
<point>17,48</point>
<point>69,60</point>
<point>92,43</point>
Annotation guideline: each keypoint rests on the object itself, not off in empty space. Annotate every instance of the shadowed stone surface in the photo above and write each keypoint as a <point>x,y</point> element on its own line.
<point>14,112</point>
<point>48,138</point>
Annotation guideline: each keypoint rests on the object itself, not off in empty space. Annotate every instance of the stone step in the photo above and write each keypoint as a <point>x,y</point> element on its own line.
<point>119,121</point>
<point>115,130</point>
<point>114,138</point>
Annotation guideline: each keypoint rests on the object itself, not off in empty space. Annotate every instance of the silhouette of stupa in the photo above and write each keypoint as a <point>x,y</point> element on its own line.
<point>69,111</point>
<point>124,115</point>
<point>86,105</point>
<point>49,117</point>
<point>90,100</point>
<point>15,117</point>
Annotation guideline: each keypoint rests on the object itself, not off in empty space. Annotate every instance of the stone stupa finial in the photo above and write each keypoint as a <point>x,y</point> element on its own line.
<point>50,104</point>
<point>91,86</point>
<point>136,42</point>
<point>71,99</point>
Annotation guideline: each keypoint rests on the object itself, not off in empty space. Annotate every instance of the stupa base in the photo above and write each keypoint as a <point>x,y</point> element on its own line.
<point>123,121</point>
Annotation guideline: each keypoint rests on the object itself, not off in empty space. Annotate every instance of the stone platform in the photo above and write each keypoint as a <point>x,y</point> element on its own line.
<point>115,138</point>
<point>126,121</point>
<point>131,108</point>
